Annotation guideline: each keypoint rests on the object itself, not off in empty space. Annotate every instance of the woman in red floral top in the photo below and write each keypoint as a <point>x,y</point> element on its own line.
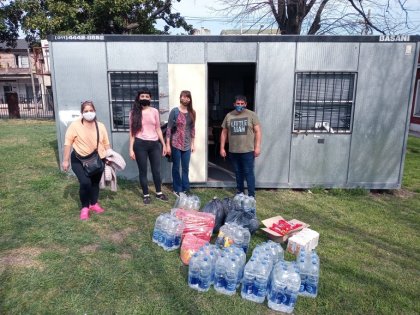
<point>180,137</point>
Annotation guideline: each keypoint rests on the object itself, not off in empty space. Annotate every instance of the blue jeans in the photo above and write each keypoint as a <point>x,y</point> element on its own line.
<point>180,158</point>
<point>243,164</point>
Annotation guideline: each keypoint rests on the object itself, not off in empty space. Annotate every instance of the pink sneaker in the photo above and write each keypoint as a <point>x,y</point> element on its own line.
<point>97,208</point>
<point>84,213</point>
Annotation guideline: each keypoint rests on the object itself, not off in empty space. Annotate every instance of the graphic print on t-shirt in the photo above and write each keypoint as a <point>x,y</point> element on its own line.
<point>239,126</point>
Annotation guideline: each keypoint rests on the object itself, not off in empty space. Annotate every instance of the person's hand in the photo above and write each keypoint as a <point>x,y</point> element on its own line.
<point>192,147</point>
<point>222,153</point>
<point>168,150</point>
<point>164,150</point>
<point>65,165</point>
<point>257,152</point>
<point>132,155</point>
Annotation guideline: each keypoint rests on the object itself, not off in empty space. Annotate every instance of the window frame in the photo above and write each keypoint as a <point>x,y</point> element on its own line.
<point>324,102</point>
<point>134,86</point>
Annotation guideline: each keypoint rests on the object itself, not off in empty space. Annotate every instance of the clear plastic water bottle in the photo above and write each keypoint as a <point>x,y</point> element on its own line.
<point>178,234</point>
<point>164,229</point>
<point>277,288</point>
<point>247,289</point>
<point>157,231</point>
<point>303,276</point>
<point>204,279</point>
<point>181,201</point>
<point>195,202</point>
<point>249,204</point>
<point>220,274</point>
<point>232,272</point>
<point>312,278</point>
<point>261,281</point>
<point>194,271</point>
<point>170,230</point>
<point>237,201</point>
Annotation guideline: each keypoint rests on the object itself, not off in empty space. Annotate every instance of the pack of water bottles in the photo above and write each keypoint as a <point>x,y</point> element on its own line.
<point>265,275</point>
<point>243,212</point>
<point>167,232</point>
<point>309,265</point>
<point>258,269</point>
<point>229,269</point>
<point>188,202</point>
<point>283,288</point>
<point>222,268</point>
<point>232,234</point>
<point>201,268</point>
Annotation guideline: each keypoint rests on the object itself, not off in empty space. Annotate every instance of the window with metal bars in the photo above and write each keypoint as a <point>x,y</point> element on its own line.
<point>124,86</point>
<point>324,102</point>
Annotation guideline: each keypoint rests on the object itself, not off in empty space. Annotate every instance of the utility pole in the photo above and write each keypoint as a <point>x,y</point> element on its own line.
<point>33,82</point>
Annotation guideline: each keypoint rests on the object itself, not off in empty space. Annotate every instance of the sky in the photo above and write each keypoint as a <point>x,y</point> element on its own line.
<point>199,14</point>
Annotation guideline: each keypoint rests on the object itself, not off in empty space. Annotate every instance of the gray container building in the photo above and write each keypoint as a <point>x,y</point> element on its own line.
<point>334,110</point>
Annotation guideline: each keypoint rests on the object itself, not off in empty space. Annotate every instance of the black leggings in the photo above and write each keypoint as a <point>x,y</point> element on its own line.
<point>89,186</point>
<point>144,149</point>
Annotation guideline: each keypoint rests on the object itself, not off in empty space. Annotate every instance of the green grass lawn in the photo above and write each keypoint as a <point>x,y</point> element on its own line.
<point>52,263</point>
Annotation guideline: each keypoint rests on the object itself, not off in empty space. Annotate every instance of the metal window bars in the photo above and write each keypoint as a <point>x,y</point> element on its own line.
<point>124,86</point>
<point>324,102</point>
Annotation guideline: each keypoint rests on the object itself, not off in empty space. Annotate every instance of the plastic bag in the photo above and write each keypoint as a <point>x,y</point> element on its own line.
<point>216,207</point>
<point>190,245</point>
<point>242,211</point>
<point>244,219</point>
<point>200,224</point>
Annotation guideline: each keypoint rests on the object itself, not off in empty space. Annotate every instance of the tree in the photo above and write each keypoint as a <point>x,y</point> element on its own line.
<point>9,24</point>
<point>39,19</point>
<point>322,16</point>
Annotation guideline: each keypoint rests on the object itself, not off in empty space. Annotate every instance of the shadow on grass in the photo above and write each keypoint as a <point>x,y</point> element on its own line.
<point>54,145</point>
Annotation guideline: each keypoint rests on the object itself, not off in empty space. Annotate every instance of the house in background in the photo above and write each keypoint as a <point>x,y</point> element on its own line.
<point>25,72</point>
<point>415,111</point>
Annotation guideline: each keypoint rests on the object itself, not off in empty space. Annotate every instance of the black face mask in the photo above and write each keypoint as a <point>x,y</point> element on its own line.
<point>144,102</point>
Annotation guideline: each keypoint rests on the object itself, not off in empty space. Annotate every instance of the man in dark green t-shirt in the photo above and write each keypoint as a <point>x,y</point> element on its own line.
<point>243,129</point>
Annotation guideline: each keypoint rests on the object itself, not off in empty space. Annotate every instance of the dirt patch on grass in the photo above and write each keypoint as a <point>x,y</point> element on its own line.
<point>403,193</point>
<point>89,248</point>
<point>125,256</point>
<point>400,193</point>
<point>23,257</point>
<point>119,236</point>
<point>116,237</point>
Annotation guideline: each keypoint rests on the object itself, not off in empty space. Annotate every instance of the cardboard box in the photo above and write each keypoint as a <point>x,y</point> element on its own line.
<point>306,238</point>
<point>274,236</point>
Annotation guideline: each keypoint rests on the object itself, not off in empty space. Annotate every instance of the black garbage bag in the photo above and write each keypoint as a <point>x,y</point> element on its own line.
<point>227,205</point>
<point>243,218</point>
<point>215,206</point>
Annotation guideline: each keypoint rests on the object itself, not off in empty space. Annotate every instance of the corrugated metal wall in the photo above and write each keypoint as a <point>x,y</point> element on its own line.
<point>371,156</point>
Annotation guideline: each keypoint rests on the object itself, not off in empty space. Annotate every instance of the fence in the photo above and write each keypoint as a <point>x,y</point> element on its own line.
<point>42,107</point>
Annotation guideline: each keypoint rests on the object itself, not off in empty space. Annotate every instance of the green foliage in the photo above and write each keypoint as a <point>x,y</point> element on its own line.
<point>52,263</point>
<point>9,23</point>
<point>39,19</point>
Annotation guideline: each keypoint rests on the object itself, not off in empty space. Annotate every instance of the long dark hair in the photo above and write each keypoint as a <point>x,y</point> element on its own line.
<point>136,115</point>
<point>190,109</point>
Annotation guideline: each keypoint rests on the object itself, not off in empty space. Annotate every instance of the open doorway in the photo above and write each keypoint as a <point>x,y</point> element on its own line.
<point>225,80</point>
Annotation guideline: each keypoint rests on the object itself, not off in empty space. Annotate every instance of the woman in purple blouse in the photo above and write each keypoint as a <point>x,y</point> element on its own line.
<point>180,137</point>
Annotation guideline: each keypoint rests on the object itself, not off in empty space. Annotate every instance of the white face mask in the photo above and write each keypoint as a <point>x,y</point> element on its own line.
<point>89,116</point>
